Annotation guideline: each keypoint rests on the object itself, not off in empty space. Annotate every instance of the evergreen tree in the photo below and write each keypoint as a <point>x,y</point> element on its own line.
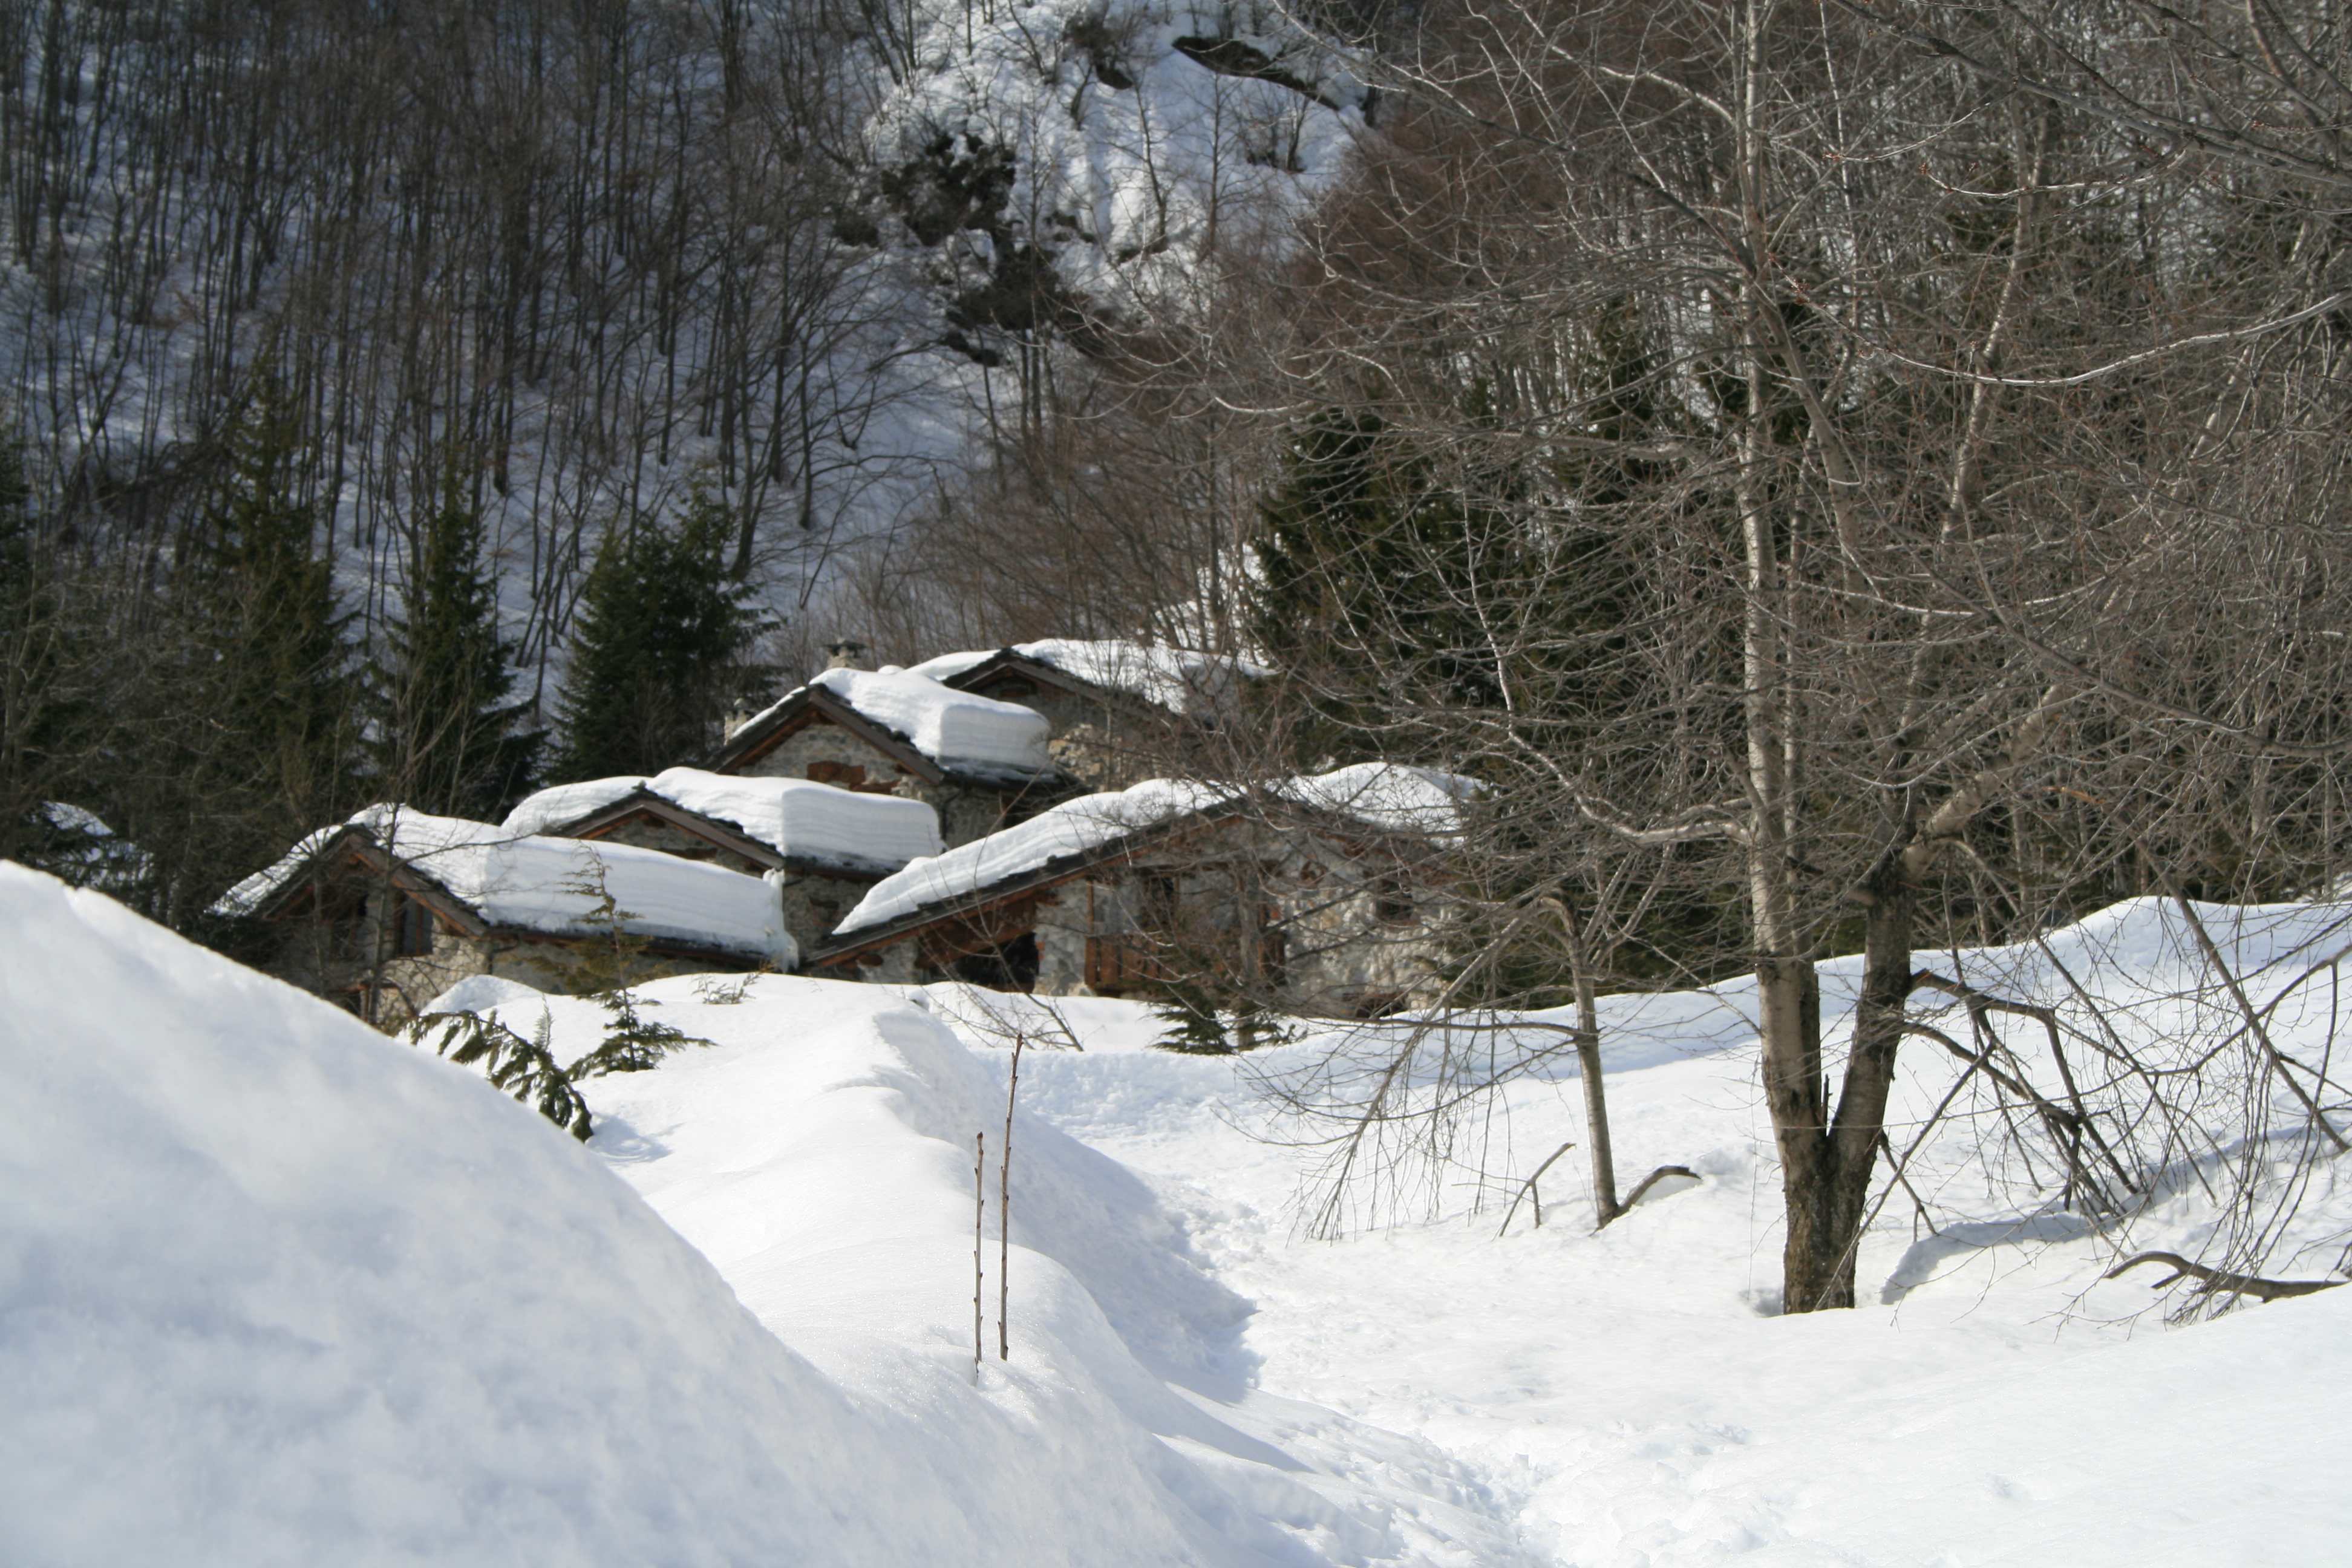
<point>1361,555</point>
<point>34,711</point>
<point>446,739</point>
<point>656,649</point>
<point>1194,1028</point>
<point>272,737</point>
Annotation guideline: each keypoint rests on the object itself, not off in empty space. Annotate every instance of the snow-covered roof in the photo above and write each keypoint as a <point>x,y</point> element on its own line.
<point>76,845</point>
<point>520,882</point>
<point>1175,678</point>
<point>797,818</point>
<point>1386,796</point>
<point>1074,827</point>
<point>1393,796</point>
<point>957,729</point>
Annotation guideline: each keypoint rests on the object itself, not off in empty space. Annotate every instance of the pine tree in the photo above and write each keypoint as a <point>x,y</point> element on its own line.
<point>1363,555</point>
<point>273,736</point>
<point>446,739</point>
<point>1194,1025</point>
<point>657,649</point>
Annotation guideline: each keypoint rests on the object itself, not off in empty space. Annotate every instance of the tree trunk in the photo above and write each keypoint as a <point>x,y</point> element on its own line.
<point>1826,1166</point>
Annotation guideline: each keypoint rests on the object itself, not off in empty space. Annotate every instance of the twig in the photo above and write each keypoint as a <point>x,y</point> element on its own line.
<point>2279,1059</point>
<point>1529,1185</point>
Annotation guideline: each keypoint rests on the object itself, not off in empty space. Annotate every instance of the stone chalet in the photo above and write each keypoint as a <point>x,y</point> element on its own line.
<point>821,847</point>
<point>385,912</point>
<point>1319,894</point>
<point>1119,711</point>
<point>978,762</point>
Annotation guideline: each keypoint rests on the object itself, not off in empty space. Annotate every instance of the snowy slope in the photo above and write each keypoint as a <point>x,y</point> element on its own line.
<point>273,1288</point>
<point>821,1153</point>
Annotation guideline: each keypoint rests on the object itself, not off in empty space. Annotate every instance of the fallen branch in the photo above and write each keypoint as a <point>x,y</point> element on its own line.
<point>2209,1280</point>
<point>1655,1177</point>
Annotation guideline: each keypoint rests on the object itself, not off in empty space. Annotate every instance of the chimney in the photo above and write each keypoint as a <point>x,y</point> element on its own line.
<point>845,654</point>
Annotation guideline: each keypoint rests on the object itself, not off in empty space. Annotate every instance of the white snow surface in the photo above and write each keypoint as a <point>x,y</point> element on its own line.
<point>1073,828</point>
<point>795,817</point>
<point>1175,678</point>
<point>1556,1397</point>
<point>1386,796</point>
<point>520,881</point>
<point>276,1290</point>
<point>954,729</point>
<point>1391,795</point>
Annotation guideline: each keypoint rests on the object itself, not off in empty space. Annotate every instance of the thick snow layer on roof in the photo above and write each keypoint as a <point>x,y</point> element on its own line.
<point>1385,795</point>
<point>1182,681</point>
<point>955,728</point>
<point>275,1288</point>
<point>795,817</point>
<point>560,805</point>
<point>521,881</point>
<point>1073,828</point>
<point>1391,795</point>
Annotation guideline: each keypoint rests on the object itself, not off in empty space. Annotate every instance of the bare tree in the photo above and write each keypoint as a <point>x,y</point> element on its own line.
<point>1952,457</point>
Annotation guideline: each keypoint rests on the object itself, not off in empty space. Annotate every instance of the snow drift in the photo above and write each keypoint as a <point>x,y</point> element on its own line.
<point>275,1288</point>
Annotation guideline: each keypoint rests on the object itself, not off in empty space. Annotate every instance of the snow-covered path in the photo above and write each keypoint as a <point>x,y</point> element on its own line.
<point>1627,1399</point>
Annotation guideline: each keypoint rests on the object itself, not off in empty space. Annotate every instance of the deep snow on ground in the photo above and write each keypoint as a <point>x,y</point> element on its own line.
<point>1625,1398</point>
<point>273,1288</point>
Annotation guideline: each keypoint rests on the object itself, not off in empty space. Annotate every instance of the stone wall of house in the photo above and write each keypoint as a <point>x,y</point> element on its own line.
<point>1363,938</point>
<point>835,748</point>
<point>332,960</point>
<point>966,811</point>
<point>1354,939</point>
<point>815,901</point>
<point>1103,745</point>
<point>646,831</point>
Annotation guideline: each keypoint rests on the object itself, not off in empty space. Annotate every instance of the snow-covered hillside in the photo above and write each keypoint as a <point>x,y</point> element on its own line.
<point>596,257</point>
<point>276,1289</point>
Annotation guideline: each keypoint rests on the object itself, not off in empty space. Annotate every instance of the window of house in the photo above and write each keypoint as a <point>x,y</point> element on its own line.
<point>1391,904</point>
<point>1155,903</point>
<point>412,928</point>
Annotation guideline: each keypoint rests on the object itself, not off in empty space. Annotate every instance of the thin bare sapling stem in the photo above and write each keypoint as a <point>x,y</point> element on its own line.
<point>1004,1209</point>
<point>979,1221</point>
